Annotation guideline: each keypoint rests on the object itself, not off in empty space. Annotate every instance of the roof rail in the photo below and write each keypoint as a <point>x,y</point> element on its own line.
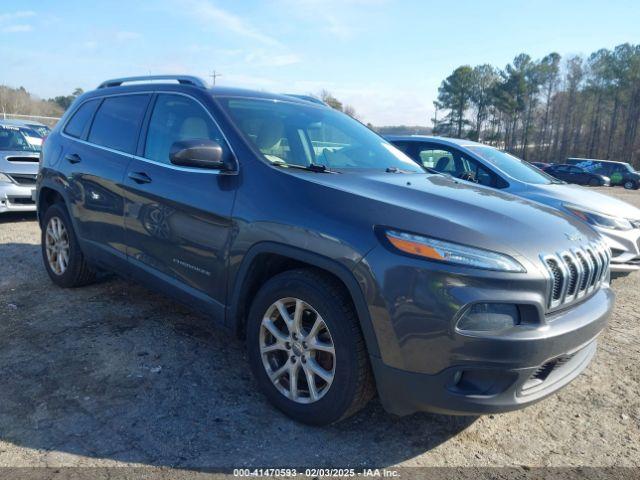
<point>183,79</point>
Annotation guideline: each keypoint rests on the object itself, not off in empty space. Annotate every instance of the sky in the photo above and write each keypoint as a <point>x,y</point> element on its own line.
<point>384,57</point>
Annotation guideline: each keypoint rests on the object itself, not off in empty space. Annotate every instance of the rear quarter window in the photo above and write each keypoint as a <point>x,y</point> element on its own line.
<point>79,121</point>
<point>117,122</point>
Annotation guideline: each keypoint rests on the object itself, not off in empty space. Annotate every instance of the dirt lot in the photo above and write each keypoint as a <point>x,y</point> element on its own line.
<point>114,374</point>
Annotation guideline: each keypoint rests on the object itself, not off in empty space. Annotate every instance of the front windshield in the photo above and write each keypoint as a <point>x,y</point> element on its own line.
<point>41,130</point>
<point>19,139</point>
<point>513,166</point>
<point>300,135</point>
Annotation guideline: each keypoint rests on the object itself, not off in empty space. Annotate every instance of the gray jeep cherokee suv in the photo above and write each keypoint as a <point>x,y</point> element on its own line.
<point>345,266</point>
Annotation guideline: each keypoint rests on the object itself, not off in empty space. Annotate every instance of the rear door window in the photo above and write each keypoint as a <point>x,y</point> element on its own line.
<point>79,122</point>
<point>117,122</point>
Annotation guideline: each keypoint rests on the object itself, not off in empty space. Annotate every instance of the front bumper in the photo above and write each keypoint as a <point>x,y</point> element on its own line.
<point>17,198</point>
<point>625,248</point>
<point>483,390</point>
<point>425,364</point>
<point>508,376</point>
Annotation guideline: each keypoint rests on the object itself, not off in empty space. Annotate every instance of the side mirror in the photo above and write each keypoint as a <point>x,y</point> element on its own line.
<point>198,153</point>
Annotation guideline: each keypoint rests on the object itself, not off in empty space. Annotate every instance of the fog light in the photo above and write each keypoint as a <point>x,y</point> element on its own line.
<point>485,317</point>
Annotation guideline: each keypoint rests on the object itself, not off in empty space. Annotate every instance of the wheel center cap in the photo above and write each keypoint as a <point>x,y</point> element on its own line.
<point>297,348</point>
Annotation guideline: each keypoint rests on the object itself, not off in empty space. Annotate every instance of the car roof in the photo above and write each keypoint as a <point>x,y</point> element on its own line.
<point>21,123</point>
<point>248,93</point>
<point>457,142</point>
<point>216,92</point>
<point>597,160</point>
<point>20,126</point>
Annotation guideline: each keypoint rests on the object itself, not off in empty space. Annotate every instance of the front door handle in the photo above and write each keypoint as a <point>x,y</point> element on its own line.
<point>72,158</point>
<point>139,177</point>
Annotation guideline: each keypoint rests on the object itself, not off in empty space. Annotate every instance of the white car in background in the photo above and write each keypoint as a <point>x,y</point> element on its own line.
<point>19,154</point>
<point>617,221</point>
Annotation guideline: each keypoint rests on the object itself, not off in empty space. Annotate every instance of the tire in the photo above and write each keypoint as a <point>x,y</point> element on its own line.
<point>75,272</point>
<point>630,185</point>
<point>594,182</point>
<point>351,386</point>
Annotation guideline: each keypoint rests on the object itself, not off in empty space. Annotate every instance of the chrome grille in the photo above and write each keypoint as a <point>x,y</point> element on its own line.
<point>576,273</point>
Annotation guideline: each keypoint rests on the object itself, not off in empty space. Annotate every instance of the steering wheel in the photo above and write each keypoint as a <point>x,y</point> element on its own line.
<point>468,176</point>
<point>337,159</point>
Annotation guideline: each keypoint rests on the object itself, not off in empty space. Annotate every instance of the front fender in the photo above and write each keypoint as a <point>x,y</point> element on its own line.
<point>354,279</point>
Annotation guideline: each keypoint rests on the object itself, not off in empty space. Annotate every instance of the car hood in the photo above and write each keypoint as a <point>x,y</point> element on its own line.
<point>556,195</point>
<point>448,209</point>
<point>7,166</point>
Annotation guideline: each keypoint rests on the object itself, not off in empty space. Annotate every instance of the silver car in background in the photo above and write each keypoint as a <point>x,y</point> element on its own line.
<point>617,221</point>
<point>19,153</point>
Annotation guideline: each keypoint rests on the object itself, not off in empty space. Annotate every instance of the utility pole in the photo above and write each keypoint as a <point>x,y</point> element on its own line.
<point>213,76</point>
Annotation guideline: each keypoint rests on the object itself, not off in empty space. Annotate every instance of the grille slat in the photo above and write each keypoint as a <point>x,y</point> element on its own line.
<point>557,279</point>
<point>573,274</point>
<point>23,159</point>
<point>587,271</point>
<point>23,178</point>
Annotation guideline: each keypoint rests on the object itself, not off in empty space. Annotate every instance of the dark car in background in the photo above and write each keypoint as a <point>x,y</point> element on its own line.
<point>617,221</point>
<point>540,165</point>
<point>578,175</point>
<point>620,173</point>
<point>344,264</point>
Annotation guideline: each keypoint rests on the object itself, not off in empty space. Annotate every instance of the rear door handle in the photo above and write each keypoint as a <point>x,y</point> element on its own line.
<point>72,158</point>
<point>139,177</point>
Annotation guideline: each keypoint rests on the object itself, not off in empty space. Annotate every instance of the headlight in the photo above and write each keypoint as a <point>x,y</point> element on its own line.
<point>4,178</point>
<point>449,252</point>
<point>600,219</point>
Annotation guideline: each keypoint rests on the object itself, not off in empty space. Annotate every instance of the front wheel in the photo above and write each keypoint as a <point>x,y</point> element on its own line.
<point>61,253</point>
<point>594,182</point>
<point>306,349</point>
<point>630,185</point>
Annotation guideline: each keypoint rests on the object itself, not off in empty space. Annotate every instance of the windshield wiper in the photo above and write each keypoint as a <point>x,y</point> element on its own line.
<point>434,171</point>
<point>397,170</point>
<point>314,167</point>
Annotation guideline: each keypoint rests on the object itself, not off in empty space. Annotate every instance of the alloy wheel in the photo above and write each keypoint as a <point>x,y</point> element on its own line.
<point>57,246</point>
<point>297,350</point>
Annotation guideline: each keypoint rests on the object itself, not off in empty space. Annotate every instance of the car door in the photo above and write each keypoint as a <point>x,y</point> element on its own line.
<point>617,174</point>
<point>95,157</point>
<point>579,175</point>
<point>562,172</point>
<point>178,219</point>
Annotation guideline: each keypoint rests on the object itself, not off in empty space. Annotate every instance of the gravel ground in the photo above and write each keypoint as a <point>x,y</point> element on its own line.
<point>114,374</point>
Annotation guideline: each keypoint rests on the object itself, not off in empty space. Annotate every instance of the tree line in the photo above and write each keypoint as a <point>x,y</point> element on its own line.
<point>19,101</point>
<point>548,109</point>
